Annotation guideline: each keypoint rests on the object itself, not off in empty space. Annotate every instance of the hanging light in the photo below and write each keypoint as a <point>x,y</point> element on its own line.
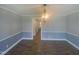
<point>45,15</point>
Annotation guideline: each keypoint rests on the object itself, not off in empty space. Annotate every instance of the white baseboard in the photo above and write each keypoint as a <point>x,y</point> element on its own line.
<point>72,44</point>
<point>55,39</point>
<point>73,34</point>
<point>42,39</point>
<point>27,38</point>
<point>3,53</point>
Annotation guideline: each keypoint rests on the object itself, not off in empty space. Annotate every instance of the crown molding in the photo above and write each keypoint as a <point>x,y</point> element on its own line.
<point>29,15</point>
<point>14,11</point>
<point>72,12</point>
<point>10,10</point>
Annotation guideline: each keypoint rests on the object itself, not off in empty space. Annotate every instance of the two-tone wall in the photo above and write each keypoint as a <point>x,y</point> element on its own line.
<point>55,28</point>
<point>27,26</point>
<point>10,29</point>
<point>72,25</point>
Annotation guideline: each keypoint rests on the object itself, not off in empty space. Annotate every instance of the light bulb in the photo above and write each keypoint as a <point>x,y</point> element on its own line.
<point>45,16</point>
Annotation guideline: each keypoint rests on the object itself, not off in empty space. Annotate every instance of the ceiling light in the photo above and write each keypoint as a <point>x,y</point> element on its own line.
<point>45,14</point>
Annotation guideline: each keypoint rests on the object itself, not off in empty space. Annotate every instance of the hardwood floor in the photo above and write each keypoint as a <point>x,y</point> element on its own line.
<point>37,41</point>
<point>25,47</point>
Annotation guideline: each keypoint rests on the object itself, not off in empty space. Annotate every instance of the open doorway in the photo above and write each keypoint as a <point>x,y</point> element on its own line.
<point>36,34</point>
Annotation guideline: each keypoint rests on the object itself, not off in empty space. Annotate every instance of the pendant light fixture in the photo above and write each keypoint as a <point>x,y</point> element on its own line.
<point>44,15</point>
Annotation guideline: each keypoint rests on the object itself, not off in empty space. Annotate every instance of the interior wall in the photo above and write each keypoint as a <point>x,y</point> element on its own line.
<point>73,28</point>
<point>72,23</point>
<point>10,23</point>
<point>27,26</point>
<point>10,29</point>
<point>27,23</point>
<point>54,29</point>
<point>55,24</point>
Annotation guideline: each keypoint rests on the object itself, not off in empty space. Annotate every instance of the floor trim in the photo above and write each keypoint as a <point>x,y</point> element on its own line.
<point>27,38</point>
<point>54,39</point>
<point>42,39</point>
<point>72,44</point>
<point>3,53</point>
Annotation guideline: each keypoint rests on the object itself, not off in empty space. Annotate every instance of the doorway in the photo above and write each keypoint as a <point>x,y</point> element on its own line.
<point>37,34</point>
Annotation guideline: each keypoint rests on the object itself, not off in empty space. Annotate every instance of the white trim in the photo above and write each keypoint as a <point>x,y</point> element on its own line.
<point>42,39</point>
<point>9,37</point>
<point>26,38</point>
<point>54,39</point>
<point>55,31</point>
<point>32,28</point>
<point>30,15</point>
<point>41,32</point>
<point>72,34</point>
<point>72,44</point>
<point>8,9</point>
<point>72,13</point>
<point>27,31</point>
<point>10,47</point>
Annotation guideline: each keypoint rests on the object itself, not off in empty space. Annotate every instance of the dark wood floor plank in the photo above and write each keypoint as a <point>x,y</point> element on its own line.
<point>47,48</point>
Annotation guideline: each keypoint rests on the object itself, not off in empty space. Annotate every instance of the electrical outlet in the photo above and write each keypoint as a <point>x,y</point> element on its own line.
<point>0,51</point>
<point>7,45</point>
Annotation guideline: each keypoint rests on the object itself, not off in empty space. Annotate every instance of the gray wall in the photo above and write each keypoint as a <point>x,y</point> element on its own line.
<point>27,23</point>
<point>10,23</point>
<point>56,24</point>
<point>73,23</point>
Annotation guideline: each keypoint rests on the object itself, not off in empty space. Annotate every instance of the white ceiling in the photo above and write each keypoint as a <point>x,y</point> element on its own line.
<point>32,9</point>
